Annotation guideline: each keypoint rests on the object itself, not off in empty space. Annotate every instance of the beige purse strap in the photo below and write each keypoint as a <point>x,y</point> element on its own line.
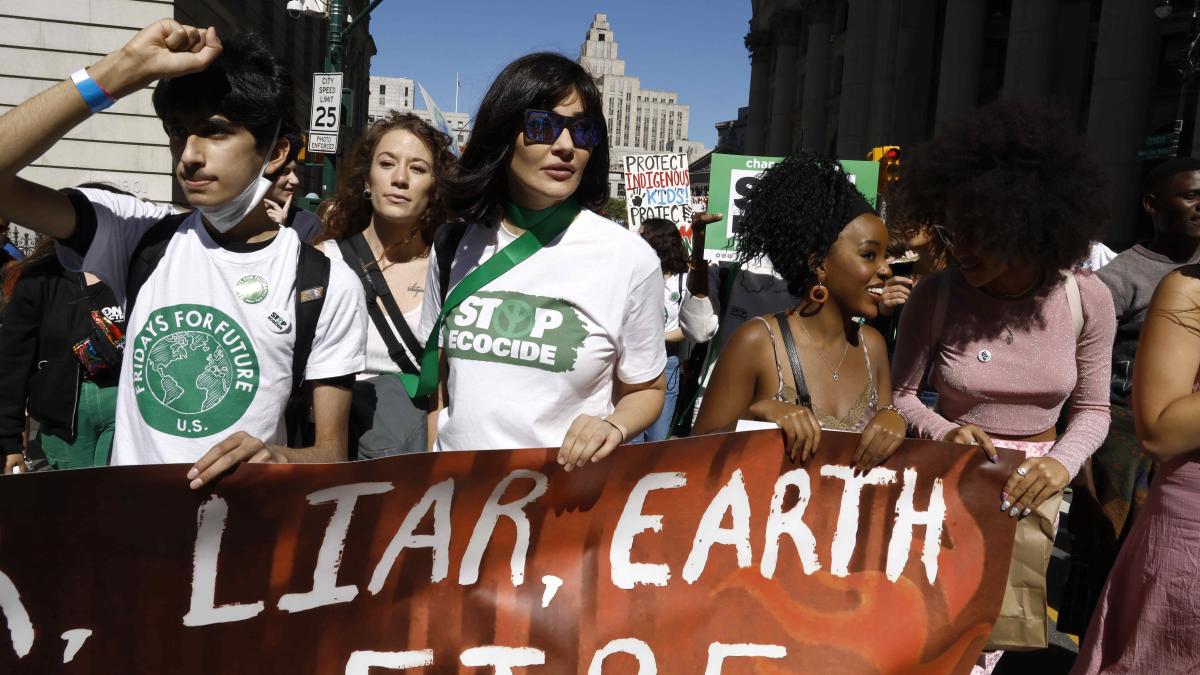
<point>1074,302</point>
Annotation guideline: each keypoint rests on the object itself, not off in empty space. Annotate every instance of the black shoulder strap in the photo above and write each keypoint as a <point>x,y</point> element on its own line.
<point>312,282</point>
<point>149,251</point>
<point>356,251</point>
<point>789,344</point>
<point>445,244</point>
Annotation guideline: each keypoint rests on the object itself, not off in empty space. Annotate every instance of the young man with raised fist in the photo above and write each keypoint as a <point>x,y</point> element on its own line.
<point>226,312</point>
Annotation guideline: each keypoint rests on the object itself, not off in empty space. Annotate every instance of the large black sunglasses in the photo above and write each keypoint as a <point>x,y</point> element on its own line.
<point>543,126</point>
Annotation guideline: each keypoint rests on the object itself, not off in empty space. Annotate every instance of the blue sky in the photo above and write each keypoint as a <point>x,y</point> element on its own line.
<point>690,46</point>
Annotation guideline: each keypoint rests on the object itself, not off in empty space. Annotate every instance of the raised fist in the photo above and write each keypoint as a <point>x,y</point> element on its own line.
<point>161,50</point>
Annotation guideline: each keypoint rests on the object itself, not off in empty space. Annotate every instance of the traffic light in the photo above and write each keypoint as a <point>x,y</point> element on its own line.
<point>888,157</point>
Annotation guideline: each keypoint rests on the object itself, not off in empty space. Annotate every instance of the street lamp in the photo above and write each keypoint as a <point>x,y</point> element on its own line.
<point>335,39</point>
<point>1189,66</point>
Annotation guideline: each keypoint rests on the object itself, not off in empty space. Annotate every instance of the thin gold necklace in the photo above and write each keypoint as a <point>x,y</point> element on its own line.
<point>842,360</point>
<point>379,261</point>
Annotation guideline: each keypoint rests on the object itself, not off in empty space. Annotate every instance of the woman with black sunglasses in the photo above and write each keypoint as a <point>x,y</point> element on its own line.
<point>550,321</point>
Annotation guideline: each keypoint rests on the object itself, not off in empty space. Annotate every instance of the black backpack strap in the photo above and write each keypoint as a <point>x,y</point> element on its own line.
<point>785,332</point>
<point>312,282</point>
<point>146,255</point>
<point>445,244</point>
<point>357,253</point>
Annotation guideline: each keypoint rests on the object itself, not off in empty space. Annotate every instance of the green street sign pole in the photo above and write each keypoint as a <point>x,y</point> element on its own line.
<point>334,60</point>
<point>333,64</point>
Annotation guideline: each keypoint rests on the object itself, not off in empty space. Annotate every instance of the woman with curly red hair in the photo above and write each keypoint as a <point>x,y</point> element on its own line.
<point>1014,193</point>
<point>390,199</point>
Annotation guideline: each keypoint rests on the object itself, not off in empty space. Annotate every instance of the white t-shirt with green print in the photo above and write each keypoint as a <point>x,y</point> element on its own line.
<point>209,342</point>
<point>545,342</point>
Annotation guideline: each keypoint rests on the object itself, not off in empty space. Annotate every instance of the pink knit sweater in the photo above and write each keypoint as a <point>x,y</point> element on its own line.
<point>1015,389</point>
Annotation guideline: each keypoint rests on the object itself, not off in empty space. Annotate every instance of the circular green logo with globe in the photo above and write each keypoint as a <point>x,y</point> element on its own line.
<point>195,372</point>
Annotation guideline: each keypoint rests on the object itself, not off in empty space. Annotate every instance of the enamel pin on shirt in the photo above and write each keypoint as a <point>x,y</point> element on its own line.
<point>279,324</point>
<point>985,356</point>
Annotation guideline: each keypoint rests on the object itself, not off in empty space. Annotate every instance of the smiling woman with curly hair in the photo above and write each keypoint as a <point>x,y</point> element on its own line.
<point>1015,195</point>
<point>813,366</point>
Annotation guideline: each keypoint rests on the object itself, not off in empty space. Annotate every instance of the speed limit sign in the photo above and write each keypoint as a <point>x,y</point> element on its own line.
<point>324,120</point>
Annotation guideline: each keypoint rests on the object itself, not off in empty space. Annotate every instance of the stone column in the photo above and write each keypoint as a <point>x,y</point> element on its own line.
<point>1071,54</point>
<point>1029,66</point>
<point>857,65</point>
<point>816,83</point>
<point>786,34</point>
<point>1125,61</point>
<point>915,73</point>
<point>883,89</point>
<point>962,58</point>
<point>1195,129</point>
<point>759,44</point>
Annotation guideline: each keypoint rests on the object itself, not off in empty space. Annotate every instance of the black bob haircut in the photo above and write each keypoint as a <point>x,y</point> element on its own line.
<point>1020,182</point>
<point>663,236</point>
<point>540,81</point>
<point>794,214</point>
<point>246,84</point>
<point>1159,175</point>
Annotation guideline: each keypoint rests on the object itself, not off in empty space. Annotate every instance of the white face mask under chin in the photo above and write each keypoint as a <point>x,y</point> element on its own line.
<point>225,217</point>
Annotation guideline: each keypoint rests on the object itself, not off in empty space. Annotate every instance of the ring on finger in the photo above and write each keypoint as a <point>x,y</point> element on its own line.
<point>1021,471</point>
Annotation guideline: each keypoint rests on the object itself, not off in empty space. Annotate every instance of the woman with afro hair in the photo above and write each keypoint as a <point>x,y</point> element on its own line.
<point>813,366</point>
<point>1013,331</point>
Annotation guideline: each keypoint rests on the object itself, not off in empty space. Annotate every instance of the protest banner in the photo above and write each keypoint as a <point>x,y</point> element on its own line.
<point>657,186</point>
<point>733,176</point>
<point>705,555</point>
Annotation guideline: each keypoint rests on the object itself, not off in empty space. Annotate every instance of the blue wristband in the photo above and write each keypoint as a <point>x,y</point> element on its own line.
<point>93,94</point>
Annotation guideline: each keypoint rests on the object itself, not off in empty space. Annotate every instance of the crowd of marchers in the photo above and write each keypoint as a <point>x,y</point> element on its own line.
<point>443,303</point>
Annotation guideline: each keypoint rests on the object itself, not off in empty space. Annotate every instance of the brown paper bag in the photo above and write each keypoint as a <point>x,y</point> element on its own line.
<point>1021,625</point>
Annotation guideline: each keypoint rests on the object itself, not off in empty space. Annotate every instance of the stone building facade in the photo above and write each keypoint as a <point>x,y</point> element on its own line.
<point>400,94</point>
<point>639,120</point>
<point>842,76</point>
<point>125,145</point>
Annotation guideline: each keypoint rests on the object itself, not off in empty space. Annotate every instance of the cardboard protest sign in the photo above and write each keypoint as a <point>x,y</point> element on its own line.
<point>677,557</point>
<point>657,186</point>
<point>733,176</point>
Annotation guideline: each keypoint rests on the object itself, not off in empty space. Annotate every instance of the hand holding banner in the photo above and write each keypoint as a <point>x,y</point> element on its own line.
<point>672,557</point>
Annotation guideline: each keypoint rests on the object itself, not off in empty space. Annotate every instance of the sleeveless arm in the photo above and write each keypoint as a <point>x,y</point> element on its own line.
<point>1166,405</point>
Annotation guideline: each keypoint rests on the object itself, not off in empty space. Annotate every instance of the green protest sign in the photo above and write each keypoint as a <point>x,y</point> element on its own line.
<point>733,176</point>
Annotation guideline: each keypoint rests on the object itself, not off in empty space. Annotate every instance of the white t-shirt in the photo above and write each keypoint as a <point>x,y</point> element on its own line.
<point>1098,256</point>
<point>546,341</point>
<point>379,361</point>
<point>675,292</point>
<point>210,339</point>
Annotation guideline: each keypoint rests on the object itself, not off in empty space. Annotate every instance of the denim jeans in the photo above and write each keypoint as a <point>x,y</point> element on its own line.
<point>662,426</point>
